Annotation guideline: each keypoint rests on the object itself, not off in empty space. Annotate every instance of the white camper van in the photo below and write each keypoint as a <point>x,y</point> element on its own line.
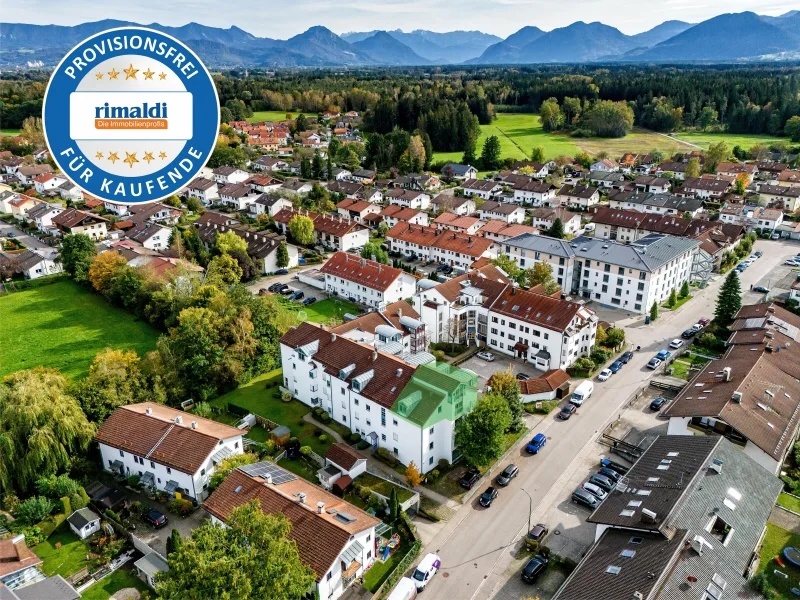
<point>582,393</point>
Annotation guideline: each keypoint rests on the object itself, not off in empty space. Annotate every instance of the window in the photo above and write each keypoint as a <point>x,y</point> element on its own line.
<point>621,271</point>
<point>394,437</point>
<point>719,529</point>
<point>236,445</point>
<point>152,465</point>
<point>605,278</point>
<point>430,446</point>
<point>121,453</point>
<point>607,268</point>
<point>368,408</point>
<point>355,400</point>
<point>604,289</point>
<point>430,431</point>
<point>640,287</point>
<point>394,422</point>
<point>169,471</point>
<point>383,417</point>
<point>202,472</point>
<point>329,575</point>
<point>618,292</point>
<point>642,275</point>
<point>383,437</point>
<point>430,460</point>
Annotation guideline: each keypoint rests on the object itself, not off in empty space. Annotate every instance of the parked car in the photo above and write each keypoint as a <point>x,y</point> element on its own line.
<point>616,366</point>
<point>469,478</point>
<point>488,497</point>
<point>761,289</point>
<point>792,263</point>
<point>566,412</point>
<point>658,403</point>
<point>284,289</point>
<point>522,376</point>
<point>610,473</point>
<point>626,357</point>
<point>758,254</point>
<point>536,535</point>
<point>275,287</point>
<point>676,343</point>
<point>654,363</point>
<point>296,296</point>
<point>534,569</point>
<point>776,236</point>
<point>610,464</point>
<point>310,300</point>
<point>537,443</point>
<point>663,354</point>
<point>282,272</point>
<point>507,475</point>
<point>10,234</point>
<point>595,491</point>
<point>704,321</point>
<point>581,496</point>
<point>425,570</point>
<point>487,356</point>
<point>689,333</point>
<point>155,517</point>
<point>604,374</point>
<point>602,481</point>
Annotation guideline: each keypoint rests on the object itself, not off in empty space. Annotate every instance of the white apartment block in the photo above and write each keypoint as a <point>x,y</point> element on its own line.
<point>365,281</point>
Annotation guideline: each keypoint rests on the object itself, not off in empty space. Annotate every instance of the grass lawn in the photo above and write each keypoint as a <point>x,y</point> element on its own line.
<point>301,468</point>
<point>66,560</point>
<point>704,140</point>
<point>679,303</point>
<point>5,131</point>
<point>260,400</point>
<point>380,571</point>
<point>788,501</point>
<point>118,580</point>
<point>321,311</point>
<point>275,115</point>
<point>383,486</point>
<point>775,541</point>
<point>63,325</point>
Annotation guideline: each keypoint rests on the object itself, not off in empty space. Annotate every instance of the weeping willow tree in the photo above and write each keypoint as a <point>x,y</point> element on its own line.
<point>41,427</point>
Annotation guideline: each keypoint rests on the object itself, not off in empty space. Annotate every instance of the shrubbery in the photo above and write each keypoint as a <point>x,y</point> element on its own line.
<point>180,506</point>
<point>387,457</point>
<point>34,509</point>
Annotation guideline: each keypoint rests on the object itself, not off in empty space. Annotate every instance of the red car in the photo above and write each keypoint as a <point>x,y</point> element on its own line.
<point>704,321</point>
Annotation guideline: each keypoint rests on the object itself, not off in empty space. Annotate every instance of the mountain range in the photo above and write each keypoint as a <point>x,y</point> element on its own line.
<point>742,36</point>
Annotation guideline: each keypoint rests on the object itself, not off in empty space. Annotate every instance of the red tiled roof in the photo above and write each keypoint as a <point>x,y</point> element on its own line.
<point>370,274</point>
<point>416,234</point>
<point>454,220</point>
<point>499,227</point>
<point>344,456</point>
<point>471,245</point>
<point>15,557</point>
<point>548,382</point>
<point>545,311</point>
<point>355,205</point>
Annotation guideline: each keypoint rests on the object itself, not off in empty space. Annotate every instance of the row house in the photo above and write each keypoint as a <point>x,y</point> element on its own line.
<point>789,178</point>
<point>630,276</point>
<point>365,281</point>
<point>363,176</point>
<point>500,231</point>
<point>579,196</point>
<point>648,183</point>
<point>704,188</point>
<point>536,193</point>
<point>394,214</point>
<point>47,182</point>
<point>357,210</point>
<point>458,223</point>
<point>607,179</point>
<point>502,211</point>
<point>485,308</point>
<point>348,189</point>
<point>459,205</point>
<point>204,190</point>
<point>749,170</point>
<point>28,173</point>
<point>751,217</point>
<point>169,450</point>
<point>269,163</point>
<point>150,235</point>
<point>332,231</point>
<point>606,165</point>
<point>226,175</point>
<point>544,218</point>
<point>408,198</point>
<point>263,183</point>
<point>418,182</point>
<point>408,408</point>
<point>432,244</point>
<point>674,169</point>
<point>237,195</point>
<point>662,204</point>
<point>269,204</point>
<point>43,215</point>
<point>482,188</point>
<point>155,213</point>
<point>295,187</point>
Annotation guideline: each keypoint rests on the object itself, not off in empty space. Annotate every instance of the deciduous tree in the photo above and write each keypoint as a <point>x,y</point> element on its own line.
<point>77,254</point>
<point>480,434</point>
<point>510,268</point>
<point>228,241</point>
<point>551,115</point>
<point>223,270</point>
<point>373,251</point>
<point>301,229</point>
<point>251,558</point>
<point>537,154</point>
<point>507,385</point>
<point>115,379</point>
<point>223,469</point>
<point>104,268</point>
<point>541,273</point>
<point>693,168</point>
<point>615,337</point>
<point>413,476</point>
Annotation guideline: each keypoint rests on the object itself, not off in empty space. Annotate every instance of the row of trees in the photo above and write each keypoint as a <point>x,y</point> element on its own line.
<point>602,118</point>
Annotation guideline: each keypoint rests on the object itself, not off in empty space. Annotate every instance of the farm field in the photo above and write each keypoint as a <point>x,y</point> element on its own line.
<point>63,325</point>
<point>274,115</point>
<point>704,140</point>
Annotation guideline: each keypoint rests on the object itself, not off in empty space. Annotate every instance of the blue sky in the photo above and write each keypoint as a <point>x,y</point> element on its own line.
<point>282,19</point>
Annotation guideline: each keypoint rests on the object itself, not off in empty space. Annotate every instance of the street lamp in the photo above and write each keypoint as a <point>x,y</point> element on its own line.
<point>530,507</point>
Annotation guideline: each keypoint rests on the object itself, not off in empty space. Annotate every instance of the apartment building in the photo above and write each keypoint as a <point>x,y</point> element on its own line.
<point>366,281</point>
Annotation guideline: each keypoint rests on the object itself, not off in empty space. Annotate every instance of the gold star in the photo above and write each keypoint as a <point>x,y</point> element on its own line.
<point>130,72</point>
<point>112,156</point>
<point>162,155</point>
<point>112,74</point>
<point>162,76</point>
<point>148,74</point>
<point>99,75</point>
<point>148,156</point>
<point>130,158</point>
<point>99,155</point>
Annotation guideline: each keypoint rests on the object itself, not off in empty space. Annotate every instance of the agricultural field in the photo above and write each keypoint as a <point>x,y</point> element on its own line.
<point>704,140</point>
<point>64,326</point>
<point>274,115</point>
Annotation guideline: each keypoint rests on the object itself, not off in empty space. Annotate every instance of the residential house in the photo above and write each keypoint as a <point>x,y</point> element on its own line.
<point>238,196</point>
<point>551,385</point>
<point>296,187</point>
<point>674,169</point>
<point>70,191</point>
<point>486,309</point>
<point>767,218</point>
<point>226,175</point>
<point>72,221</point>
<point>482,188</point>
<point>18,567</point>
<point>503,211</point>
<point>33,264</point>
<point>27,174</point>
<point>263,183</point>
<point>342,465</point>
<point>429,243</point>
<point>334,538</point>
<point>42,214</point>
<point>366,281</point>
<point>163,214</point>
<point>20,204</point>
<point>789,178</point>
<point>170,450</point>
<point>84,522</point>
<point>705,188</point>
<point>648,183</point>
<point>6,196</point>
<point>628,162</point>
<point>459,205</point>
<point>730,169</point>
<point>269,204</point>
<point>114,207</point>
<point>47,182</point>
<point>409,408</point>
<point>536,193</point>
<point>339,174</point>
<point>204,190</point>
<point>396,330</point>
<point>459,172</point>
<point>454,222</point>
<point>363,176</point>
<point>332,231</point>
<point>769,170</point>
<point>686,523</point>
<point>409,198</point>
<point>607,179</point>
<point>500,231</point>
<point>662,204</point>
<point>536,169</point>
<point>606,165</point>
<point>357,209</point>
<point>418,182</point>
<point>394,214</point>
<point>787,198</point>
<point>262,247</point>
<point>348,189</point>
<point>150,235</point>
<point>543,218</point>
<point>628,276</point>
<point>579,196</point>
<point>269,163</point>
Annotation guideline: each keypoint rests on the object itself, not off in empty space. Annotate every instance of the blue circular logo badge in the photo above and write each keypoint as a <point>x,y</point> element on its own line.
<point>131,115</point>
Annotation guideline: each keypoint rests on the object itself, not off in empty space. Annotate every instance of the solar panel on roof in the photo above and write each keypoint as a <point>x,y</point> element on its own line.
<point>262,469</point>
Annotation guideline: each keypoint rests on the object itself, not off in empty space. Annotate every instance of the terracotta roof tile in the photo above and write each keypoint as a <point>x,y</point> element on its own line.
<point>344,456</point>
<point>361,271</point>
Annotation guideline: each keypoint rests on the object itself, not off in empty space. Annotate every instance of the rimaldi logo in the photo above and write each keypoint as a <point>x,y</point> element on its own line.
<point>131,115</point>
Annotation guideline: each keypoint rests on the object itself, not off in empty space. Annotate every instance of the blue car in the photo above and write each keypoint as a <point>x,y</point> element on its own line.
<point>537,443</point>
<point>616,366</point>
<point>663,354</point>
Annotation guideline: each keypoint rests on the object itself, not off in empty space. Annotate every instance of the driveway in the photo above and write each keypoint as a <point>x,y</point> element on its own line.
<point>157,538</point>
<point>291,281</point>
<point>501,362</point>
<point>30,242</point>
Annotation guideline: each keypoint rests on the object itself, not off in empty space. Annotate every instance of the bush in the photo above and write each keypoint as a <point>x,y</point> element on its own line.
<point>66,506</point>
<point>434,474</point>
<point>387,457</point>
<point>33,534</point>
<point>133,481</point>
<point>84,496</point>
<point>49,525</point>
<point>760,583</point>
<point>365,493</point>
<point>305,450</point>
<point>599,355</point>
<point>180,506</point>
<point>11,503</point>
<point>203,409</point>
<point>35,509</point>
<point>56,487</point>
<point>112,516</point>
<point>354,437</point>
<point>323,438</point>
<point>363,445</point>
<point>443,464</point>
<point>286,396</point>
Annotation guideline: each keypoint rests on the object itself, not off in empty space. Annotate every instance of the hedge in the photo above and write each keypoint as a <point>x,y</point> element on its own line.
<point>66,506</point>
<point>51,523</point>
<point>237,410</point>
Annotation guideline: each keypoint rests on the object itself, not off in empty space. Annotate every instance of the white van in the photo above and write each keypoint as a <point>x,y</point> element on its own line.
<point>425,570</point>
<point>582,393</point>
<point>405,589</point>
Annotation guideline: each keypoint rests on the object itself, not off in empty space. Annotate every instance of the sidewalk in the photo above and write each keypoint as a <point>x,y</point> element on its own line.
<point>309,419</point>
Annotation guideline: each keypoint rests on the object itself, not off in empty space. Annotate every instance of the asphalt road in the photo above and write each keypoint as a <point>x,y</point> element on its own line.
<point>476,546</point>
<point>29,241</point>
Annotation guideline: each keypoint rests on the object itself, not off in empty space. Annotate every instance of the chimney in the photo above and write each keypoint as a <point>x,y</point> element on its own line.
<point>648,516</point>
<point>148,411</point>
<point>737,397</point>
<point>301,496</point>
<point>320,507</point>
<point>399,372</point>
<point>194,424</point>
<point>333,337</point>
<point>726,374</point>
<point>179,420</point>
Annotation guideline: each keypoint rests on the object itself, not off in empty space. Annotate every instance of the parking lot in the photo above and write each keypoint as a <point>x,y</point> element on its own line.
<point>778,280</point>
<point>501,362</point>
<point>157,538</point>
<point>291,281</point>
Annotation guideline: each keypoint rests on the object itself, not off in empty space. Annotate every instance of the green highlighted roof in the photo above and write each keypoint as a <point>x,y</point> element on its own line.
<point>437,392</point>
